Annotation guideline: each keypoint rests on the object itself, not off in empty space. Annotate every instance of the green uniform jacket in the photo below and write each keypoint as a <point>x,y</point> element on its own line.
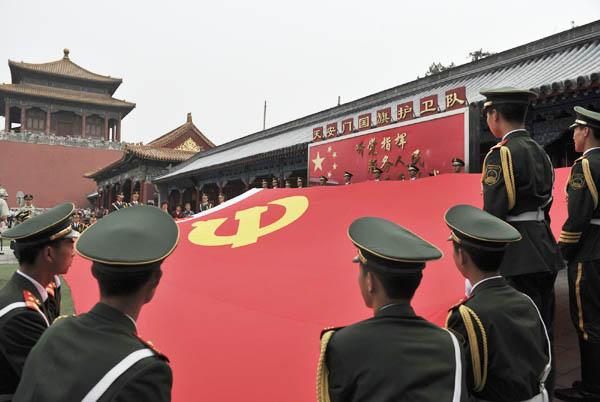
<point>21,327</point>
<point>505,345</point>
<point>580,244</point>
<point>518,177</point>
<point>579,240</point>
<point>77,352</point>
<point>395,356</point>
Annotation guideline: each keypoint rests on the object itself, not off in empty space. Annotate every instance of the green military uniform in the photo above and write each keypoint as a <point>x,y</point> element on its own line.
<point>27,308</point>
<point>396,355</point>
<point>517,181</point>
<point>98,356</point>
<point>580,244</point>
<point>119,204</point>
<point>507,349</point>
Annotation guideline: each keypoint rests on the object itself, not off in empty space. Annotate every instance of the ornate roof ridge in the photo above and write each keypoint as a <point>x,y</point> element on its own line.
<point>66,68</point>
<point>177,132</point>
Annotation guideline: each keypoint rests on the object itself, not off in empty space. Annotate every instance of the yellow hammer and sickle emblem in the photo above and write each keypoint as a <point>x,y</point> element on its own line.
<point>249,229</point>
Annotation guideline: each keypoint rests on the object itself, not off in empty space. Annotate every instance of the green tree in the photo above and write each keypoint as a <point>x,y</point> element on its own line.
<point>436,68</point>
<point>479,54</point>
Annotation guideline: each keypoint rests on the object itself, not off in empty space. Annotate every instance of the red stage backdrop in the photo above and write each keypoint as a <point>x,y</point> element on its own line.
<point>429,143</point>
<point>252,283</point>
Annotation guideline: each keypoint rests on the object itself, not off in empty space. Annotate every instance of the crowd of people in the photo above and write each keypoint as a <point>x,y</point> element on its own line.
<point>497,344</point>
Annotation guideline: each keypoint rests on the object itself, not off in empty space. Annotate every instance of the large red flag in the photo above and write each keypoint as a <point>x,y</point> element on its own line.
<point>245,295</point>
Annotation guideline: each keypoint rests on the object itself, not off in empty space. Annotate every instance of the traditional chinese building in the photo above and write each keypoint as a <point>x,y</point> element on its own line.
<point>139,164</point>
<point>63,99</point>
<point>563,68</point>
<point>60,120</point>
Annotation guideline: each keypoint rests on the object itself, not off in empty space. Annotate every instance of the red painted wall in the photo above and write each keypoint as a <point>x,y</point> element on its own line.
<point>53,174</point>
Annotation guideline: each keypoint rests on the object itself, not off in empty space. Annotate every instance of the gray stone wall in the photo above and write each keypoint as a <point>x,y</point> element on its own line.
<point>38,138</point>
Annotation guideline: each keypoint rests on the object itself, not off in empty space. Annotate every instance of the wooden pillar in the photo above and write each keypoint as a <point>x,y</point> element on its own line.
<point>143,191</point>
<point>23,118</point>
<point>131,187</point>
<point>48,121</point>
<point>110,195</point>
<point>83,125</point>
<point>7,117</point>
<point>119,129</point>
<point>105,128</point>
<point>180,196</point>
<point>198,200</point>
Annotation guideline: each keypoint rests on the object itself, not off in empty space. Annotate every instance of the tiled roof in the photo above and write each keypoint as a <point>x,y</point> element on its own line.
<point>178,132</point>
<point>159,154</point>
<point>551,66</point>
<point>144,152</point>
<point>65,94</point>
<point>65,68</point>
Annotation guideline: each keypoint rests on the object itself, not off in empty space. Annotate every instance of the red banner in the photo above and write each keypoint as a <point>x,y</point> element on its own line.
<point>430,145</point>
<point>246,293</point>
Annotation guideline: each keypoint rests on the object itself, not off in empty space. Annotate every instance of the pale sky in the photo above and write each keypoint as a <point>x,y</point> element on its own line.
<point>222,60</point>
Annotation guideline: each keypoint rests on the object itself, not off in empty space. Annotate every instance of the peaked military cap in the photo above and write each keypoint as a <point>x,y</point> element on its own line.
<point>3,192</point>
<point>149,233</point>
<point>389,248</point>
<point>348,174</point>
<point>377,170</point>
<point>506,95</point>
<point>473,227</point>
<point>586,118</point>
<point>413,167</point>
<point>299,179</point>
<point>323,178</point>
<point>264,181</point>
<point>52,225</point>
<point>28,197</point>
<point>136,193</point>
<point>458,162</point>
<point>121,194</point>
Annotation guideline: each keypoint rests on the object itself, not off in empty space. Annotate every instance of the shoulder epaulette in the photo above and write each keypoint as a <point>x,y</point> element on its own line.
<point>460,303</point>
<point>328,329</point>
<point>151,346</point>
<point>60,317</point>
<point>499,145</point>
<point>50,288</point>
<point>31,301</point>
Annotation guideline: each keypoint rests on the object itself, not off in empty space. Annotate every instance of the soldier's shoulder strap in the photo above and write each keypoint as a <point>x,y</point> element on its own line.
<point>115,205</point>
<point>322,370</point>
<point>477,335</point>
<point>589,179</point>
<point>152,347</point>
<point>115,372</point>
<point>30,302</point>
<point>509,175</point>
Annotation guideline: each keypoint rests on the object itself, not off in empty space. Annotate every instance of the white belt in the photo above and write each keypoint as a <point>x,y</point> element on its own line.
<point>527,216</point>
<point>595,221</point>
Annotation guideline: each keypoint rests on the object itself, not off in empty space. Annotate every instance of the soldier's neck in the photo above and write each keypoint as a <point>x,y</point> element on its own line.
<point>130,305</point>
<point>590,143</point>
<point>476,275</point>
<point>37,272</point>
<point>506,127</point>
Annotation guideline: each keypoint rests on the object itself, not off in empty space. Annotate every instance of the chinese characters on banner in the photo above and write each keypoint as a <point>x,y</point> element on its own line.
<point>454,99</point>
<point>430,145</point>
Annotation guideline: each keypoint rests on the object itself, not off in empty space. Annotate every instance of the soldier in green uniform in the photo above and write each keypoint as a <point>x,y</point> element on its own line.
<point>28,210</point>
<point>99,356</point>
<point>135,200</point>
<point>30,300</point>
<point>323,180</point>
<point>580,245</point>
<point>396,355</point>
<point>119,203</point>
<point>205,205</point>
<point>347,178</point>
<point>517,180</point>
<point>457,165</point>
<point>299,183</point>
<point>377,174</point>
<point>77,224</point>
<point>507,349</point>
